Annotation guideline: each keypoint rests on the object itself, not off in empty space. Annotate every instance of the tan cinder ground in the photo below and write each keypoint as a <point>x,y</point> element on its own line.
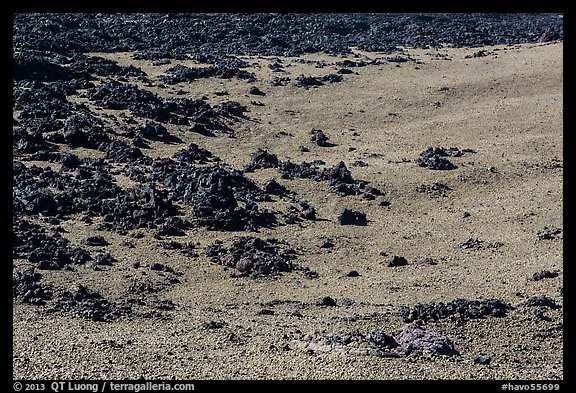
<point>507,106</point>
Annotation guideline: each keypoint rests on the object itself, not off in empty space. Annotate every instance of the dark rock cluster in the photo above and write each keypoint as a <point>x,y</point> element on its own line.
<point>459,309</point>
<point>220,198</point>
<point>212,36</point>
<point>435,157</point>
<point>26,287</point>
<point>253,256</point>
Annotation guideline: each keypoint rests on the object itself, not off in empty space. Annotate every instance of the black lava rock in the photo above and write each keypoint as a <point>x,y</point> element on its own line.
<point>470,243</point>
<point>85,303</point>
<point>395,260</point>
<point>284,34</point>
<point>157,266</point>
<point>220,198</point>
<point>195,153</point>
<point>104,259</point>
<point>381,339</point>
<point>340,178</point>
<point>319,137</point>
<point>326,244</point>
<point>26,287</point>
<point>305,170</point>
<point>351,217</point>
<point>544,274</point>
<point>481,359</point>
<point>549,233</point>
<point>256,91</point>
<point>271,186</point>
<point>153,130</point>
<point>344,71</point>
<point>435,162</point>
<point>308,81</point>
<point>261,159</point>
<point>460,309</point>
<point>326,301</point>
<point>435,157</point>
<point>252,255</point>
<point>540,301</point>
<point>97,240</point>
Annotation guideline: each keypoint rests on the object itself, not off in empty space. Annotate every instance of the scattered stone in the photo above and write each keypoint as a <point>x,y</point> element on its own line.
<point>340,178</point>
<point>359,163</point>
<point>539,301</point>
<point>194,153</point>
<point>550,233</point>
<point>265,311</point>
<point>395,260</point>
<point>326,301</point>
<point>544,274</point>
<point>479,53</point>
<point>95,241</point>
<point>458,309</point>
<point>82,302</point>
<point>276,66</point>
<point>351,217</point>
<point>326,244</point>
<point>381,339</point>
<point>213,325</point>
<point>157,266</point>
<point>252,256</point>
<point>352,273</point>
<point>296,214</point>
<point>308,81</point>
<point>434,190</point>
<point>290,170</point>
<point>271,186</point>
<point>261,159</point>
<point>104,259</point>
<point>49,265</point>
<point>435,157</point>
<point>308,212</point>
<point>426,261</point>
<point>435,162</point>
<point>470,243</point>
<point>481,359</point>
<point>153,131</point>
<point>256,91</point>
<point>352,344</point>
<point>319,137</point>
<point>344,71</point>
<point>279,81</point>
<point>219,198</point>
